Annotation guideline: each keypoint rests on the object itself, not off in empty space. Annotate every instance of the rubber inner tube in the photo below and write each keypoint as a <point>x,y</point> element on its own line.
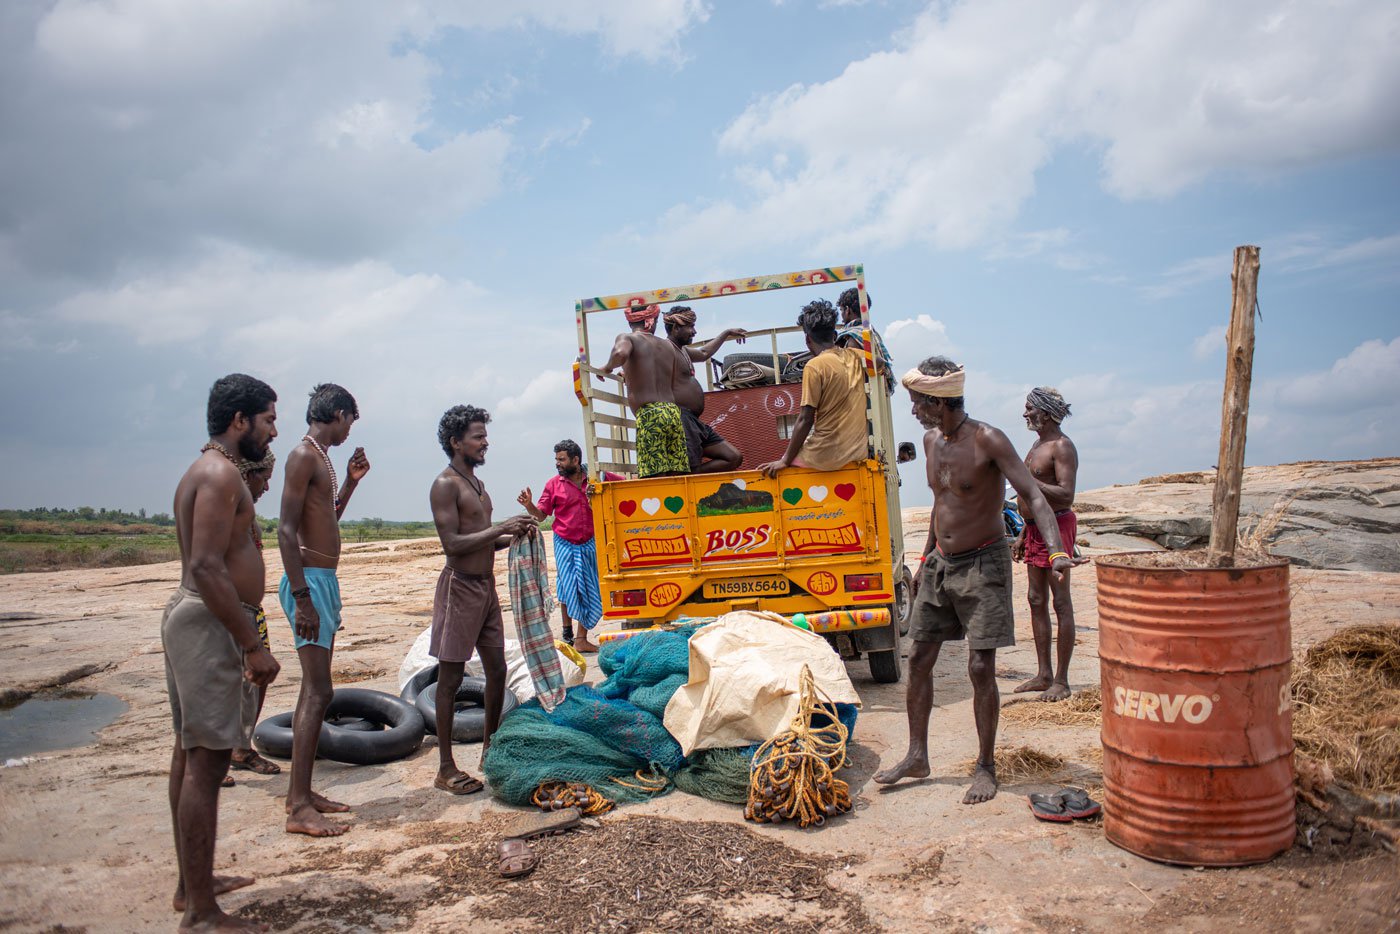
<point>469,721</point>
<point>404,733</point>
<point>357,724</point>
<point>418,682</point>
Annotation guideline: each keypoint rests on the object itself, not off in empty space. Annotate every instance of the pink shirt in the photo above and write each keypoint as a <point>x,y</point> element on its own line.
<point>568,503</point>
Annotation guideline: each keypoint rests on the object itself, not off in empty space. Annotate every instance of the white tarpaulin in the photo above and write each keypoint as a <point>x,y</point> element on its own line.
<point>517,674</point>
<point>743,687</point>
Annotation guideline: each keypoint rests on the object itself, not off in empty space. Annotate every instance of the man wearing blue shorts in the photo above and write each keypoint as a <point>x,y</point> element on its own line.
<point>308,535</point>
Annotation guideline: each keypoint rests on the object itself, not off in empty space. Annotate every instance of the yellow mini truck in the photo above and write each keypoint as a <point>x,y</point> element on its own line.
<point>824,544</point>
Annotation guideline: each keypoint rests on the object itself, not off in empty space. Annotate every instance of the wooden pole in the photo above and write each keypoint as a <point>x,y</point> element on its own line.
<point>1234,413</point>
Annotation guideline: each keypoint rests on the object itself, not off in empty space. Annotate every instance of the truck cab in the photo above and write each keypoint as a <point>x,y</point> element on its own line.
<point>822,547</point>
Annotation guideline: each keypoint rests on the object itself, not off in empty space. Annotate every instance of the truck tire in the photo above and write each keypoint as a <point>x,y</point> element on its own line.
<point>903,609</point>
<point>885,666</point>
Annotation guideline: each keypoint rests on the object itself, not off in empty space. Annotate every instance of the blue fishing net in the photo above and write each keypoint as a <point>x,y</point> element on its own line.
<point>604,736</point>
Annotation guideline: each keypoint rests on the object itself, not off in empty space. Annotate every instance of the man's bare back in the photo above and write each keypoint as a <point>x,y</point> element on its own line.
<point>649,367</point>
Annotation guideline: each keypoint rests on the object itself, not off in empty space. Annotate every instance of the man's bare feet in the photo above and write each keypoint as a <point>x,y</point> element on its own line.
<point>222,884</point>
<point>220,922</point>
<point>308,820</point>
<point>323,804</point>
<point>911,766</point>
<point>1038,683</point>
<point>1058,691</point>
<point>984,785</point>
<point>583,646</point>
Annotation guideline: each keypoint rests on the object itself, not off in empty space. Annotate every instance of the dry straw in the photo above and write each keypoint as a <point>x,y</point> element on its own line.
<point>1346,706</point>
<point>1082,708</point>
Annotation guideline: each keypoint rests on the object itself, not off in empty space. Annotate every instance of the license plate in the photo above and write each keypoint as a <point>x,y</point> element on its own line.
<point>746,587</point>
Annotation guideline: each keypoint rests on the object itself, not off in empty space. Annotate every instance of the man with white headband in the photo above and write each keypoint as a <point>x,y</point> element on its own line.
<point>1054,463</point>
<point>963,589</point>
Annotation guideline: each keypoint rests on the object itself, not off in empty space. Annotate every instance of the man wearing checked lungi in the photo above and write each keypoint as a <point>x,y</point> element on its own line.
<point>575,559</point>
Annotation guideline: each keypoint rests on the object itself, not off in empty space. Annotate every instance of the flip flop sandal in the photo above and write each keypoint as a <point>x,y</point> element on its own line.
<point>516,858</point>
<point>533,826</point>
<point>459,784</point>
<point>1078,805</point>
<point>255,763</point>
<point>227,781</point>
<point>1049,808</point>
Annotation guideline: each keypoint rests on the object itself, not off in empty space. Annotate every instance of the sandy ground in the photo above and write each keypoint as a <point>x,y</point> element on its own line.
<point>86,832</point>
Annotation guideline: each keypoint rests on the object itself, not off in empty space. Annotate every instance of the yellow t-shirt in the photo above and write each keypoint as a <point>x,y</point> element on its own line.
<point>833,383</point>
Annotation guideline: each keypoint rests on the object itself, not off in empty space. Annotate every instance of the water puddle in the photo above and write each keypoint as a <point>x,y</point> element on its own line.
<point>45,723</point>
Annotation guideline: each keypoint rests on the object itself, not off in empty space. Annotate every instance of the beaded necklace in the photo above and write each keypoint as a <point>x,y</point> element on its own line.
<point>216,446</point>
<point>326,459</point>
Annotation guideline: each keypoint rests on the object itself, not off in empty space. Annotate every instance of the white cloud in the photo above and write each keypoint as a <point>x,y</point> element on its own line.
<point>913,339</point>
<point>952,122</point>
<point>1210,343</point>
<point>136,127</point>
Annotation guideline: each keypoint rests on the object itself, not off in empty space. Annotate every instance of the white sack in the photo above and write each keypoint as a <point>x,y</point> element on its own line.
<point>517,675</point>
<point>744,674</point>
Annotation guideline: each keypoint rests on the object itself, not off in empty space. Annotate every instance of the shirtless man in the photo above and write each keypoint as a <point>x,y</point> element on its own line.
<point>702,441</point>
<point>1054,463</point>
<point>963,589</point>
<point>308,536</point>
<point>466,611</point>
<point>649,366</point>
<point>214,661</point>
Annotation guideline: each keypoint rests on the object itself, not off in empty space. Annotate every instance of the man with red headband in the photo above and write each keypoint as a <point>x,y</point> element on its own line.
<point>649,366</point>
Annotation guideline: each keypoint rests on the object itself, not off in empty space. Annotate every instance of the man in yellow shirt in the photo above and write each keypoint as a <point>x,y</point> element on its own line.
<point>831,428</point>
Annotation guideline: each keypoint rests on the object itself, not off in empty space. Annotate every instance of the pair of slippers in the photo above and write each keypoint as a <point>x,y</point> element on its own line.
<point>1064,805</point>
<point>515,856</point>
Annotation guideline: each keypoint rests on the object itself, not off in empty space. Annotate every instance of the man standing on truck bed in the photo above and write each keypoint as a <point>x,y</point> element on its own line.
<point>1054,463</point>
<point>850,334</point>
<point>649,367</point>
<point>702,441</point>
<point>831,428</point>
<point>963,589</point>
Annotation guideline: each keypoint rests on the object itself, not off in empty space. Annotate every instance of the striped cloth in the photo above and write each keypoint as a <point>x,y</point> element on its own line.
<point>529,598</point>
<point>576,580</point>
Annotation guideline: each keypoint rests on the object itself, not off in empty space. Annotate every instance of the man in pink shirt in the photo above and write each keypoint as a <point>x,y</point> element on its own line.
<point>575,559</point>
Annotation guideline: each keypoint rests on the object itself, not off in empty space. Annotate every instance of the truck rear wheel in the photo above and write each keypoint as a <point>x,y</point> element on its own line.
<point>885,666</point>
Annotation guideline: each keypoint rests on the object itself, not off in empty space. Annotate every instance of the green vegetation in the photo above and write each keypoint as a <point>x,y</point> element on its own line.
<point>56,539</point>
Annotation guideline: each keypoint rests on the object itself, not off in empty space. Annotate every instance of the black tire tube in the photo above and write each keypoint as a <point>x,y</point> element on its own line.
<point>468,726</point>
<point>404,735</point>
<point>355,724</point>
<point>418,682</point>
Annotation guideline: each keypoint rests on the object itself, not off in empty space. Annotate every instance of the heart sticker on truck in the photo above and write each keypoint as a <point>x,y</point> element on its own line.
<point>818,493</point>
<point>792,495</point>
<point>673,504</point>
<point>651,505</point>
<point>627,507</point>
<point>845,490</point>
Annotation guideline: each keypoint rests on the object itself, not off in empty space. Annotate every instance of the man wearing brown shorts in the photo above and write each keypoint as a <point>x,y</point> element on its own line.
<point>214,661</point>
<point>963,590</point>
<point>466,611</point>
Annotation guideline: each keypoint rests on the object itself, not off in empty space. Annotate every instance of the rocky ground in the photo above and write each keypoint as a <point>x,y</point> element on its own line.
<point>86,841</point>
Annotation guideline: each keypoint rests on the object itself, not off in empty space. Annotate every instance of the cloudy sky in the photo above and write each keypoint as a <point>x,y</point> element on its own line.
<point>408,198</point>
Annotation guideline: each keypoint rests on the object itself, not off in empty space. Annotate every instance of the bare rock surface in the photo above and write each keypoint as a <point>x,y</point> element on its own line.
<point>1342,515</point>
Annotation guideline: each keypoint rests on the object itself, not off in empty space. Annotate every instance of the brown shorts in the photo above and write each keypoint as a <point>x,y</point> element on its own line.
<point>211,704</point>
<point>966,596</point>
<point>466,615</point>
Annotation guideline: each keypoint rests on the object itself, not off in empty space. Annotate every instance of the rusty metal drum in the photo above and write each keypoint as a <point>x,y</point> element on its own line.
<point>1197,725</point>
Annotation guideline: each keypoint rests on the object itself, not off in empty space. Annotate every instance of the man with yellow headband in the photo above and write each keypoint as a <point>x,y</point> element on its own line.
<point>963,588</point>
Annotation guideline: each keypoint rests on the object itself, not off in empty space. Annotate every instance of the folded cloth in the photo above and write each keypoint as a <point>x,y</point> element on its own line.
<point>529,598</point>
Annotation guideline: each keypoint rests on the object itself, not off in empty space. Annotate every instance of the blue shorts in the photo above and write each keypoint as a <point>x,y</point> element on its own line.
<point>325,597</point>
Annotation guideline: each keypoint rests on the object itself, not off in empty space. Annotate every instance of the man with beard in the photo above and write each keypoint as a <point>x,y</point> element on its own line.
<point>466,610</point>
<point>963,589</point>
<point>649,369</point>
<point>257,475</point>
<point>708,452</point>
<point>565,497</point>
<point>214,661</point>
<point>1054,463</point>
<point>308,535</point>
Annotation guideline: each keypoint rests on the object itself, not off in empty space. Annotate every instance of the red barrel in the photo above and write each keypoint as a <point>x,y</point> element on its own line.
<point>1197,718</point>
